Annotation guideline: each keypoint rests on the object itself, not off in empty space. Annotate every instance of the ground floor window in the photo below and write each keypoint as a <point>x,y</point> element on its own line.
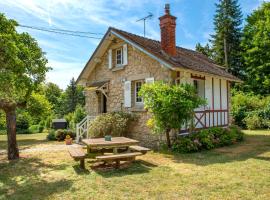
<point>138,85</point>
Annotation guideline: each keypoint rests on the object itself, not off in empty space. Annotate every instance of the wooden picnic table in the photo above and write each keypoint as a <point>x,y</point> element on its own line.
<point>115,143</point>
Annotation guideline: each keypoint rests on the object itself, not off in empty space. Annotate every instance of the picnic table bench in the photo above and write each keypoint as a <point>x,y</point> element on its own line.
<point>137,148</point>
<point>118,157</point>
<point>117,144</point>
<point>78,155</point>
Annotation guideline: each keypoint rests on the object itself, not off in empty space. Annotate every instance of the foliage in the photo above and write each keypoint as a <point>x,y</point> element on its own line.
<point>72,97</point>
<point>79,114</point>
<point>208,139</point>
<point>23,65</point>
<point>24,120</point>
<point>250,111</point>
<point>115,124</point>
<point>2,120</point>
<point>205,50</point>
<point>256,46</point>
<point>35,129</point>
<point>51,135</point>
<point>171,105</point>
<point>227,36</point>
<point>53,94</point>
<point>38,107</point>
<point>61,134</point>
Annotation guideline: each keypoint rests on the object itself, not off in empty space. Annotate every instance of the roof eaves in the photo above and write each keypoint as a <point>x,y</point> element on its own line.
<point>142,49</point>
<point>103,38</point>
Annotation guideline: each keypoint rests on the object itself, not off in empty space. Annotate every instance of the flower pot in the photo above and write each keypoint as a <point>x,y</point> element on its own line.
<point>68,141</point>
<point>108,138</point>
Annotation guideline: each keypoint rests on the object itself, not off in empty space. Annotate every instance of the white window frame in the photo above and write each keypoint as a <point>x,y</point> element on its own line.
<point>136,94</point>
<point>116,59</point>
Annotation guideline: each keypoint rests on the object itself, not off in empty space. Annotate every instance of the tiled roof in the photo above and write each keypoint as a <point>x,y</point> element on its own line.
<point>185,58</point>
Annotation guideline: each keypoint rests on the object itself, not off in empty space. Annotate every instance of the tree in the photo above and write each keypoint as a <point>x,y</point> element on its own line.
<point>53,94</point>
<point>38,107</point>
<point>256,46</point>
<point>72,97</point>
<point>205,50</point>
<point>171,105</point>
<point>22,69</point>
<point>227,37</point>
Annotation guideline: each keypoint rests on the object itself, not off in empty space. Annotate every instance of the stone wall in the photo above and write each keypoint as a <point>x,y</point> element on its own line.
<point>140,66</point>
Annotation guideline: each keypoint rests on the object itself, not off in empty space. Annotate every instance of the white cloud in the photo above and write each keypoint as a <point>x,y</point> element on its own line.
<point>62,72</point>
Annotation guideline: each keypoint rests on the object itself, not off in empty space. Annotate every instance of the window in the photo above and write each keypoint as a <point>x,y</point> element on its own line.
<point>199,87</point>
<point>177,80</point>
<point>138,85</point>
<point>195,83</point>
<point>119,56</point>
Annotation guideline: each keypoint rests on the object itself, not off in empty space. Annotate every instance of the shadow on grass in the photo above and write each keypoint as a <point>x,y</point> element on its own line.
<point>252,147</point>
<point>135,167</point>
<point>25,179</point>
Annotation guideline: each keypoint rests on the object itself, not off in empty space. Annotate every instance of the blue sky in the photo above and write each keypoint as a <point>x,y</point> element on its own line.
<point>67,55</point>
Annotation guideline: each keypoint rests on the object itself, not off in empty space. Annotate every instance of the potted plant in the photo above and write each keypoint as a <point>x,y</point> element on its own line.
<point>68,140</point>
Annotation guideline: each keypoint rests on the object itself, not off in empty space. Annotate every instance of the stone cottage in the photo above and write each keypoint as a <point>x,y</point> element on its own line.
<point>123,62</point>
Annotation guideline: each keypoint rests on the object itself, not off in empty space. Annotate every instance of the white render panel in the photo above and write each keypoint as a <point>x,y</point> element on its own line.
<point>208,92</point>
<point>217,117</point>
<point>224,99</point>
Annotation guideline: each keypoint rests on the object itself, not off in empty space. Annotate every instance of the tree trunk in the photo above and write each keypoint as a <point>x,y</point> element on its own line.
<point>168,138</point>
<point>13,152</point>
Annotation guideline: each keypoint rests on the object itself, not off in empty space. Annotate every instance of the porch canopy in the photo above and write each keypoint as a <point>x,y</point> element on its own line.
<point>101,86</point>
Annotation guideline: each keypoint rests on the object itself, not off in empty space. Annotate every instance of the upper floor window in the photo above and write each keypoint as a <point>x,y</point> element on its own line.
<point>119,56</point>
<point>138,85</point>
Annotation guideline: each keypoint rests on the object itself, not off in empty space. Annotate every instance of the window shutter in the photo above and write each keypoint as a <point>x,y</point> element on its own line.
<point>125,54</point>
<point>149,80</point>
<point>127,94</point>
<point>110,59</point>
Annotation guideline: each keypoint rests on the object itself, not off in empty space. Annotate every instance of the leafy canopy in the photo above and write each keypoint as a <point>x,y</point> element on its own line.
<point>22,64</point>
<point>256,46</point>
<point>171,105</point>
<point>38,107</point>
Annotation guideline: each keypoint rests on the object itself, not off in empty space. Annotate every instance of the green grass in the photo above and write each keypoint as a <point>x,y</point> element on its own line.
<point>241,171</point>
<point>25,140</point>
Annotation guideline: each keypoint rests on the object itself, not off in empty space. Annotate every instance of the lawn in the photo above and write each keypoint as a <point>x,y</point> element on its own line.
<point>240,171</point>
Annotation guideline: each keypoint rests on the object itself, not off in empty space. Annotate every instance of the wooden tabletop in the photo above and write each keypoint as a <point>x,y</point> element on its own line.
<point>116,141</point>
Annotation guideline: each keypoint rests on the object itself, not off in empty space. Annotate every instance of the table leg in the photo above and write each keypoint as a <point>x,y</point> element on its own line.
<point>88,150</point>
<point>115,151</point>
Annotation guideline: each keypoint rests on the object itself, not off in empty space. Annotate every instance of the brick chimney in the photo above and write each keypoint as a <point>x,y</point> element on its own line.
<point>167,29</point>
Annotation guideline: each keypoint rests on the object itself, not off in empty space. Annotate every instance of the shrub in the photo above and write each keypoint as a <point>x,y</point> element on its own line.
<point>253,121</point>
<point>250,111</point>
<point>185,145</point>
<point>35,129</point>
<point>23,121</point>
<point>61,134</point>
<point>51,135</point>
<point>208,139</point>
<point>115,124</point>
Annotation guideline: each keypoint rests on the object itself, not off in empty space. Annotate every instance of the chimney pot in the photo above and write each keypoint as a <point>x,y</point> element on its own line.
<point>167,9</point>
